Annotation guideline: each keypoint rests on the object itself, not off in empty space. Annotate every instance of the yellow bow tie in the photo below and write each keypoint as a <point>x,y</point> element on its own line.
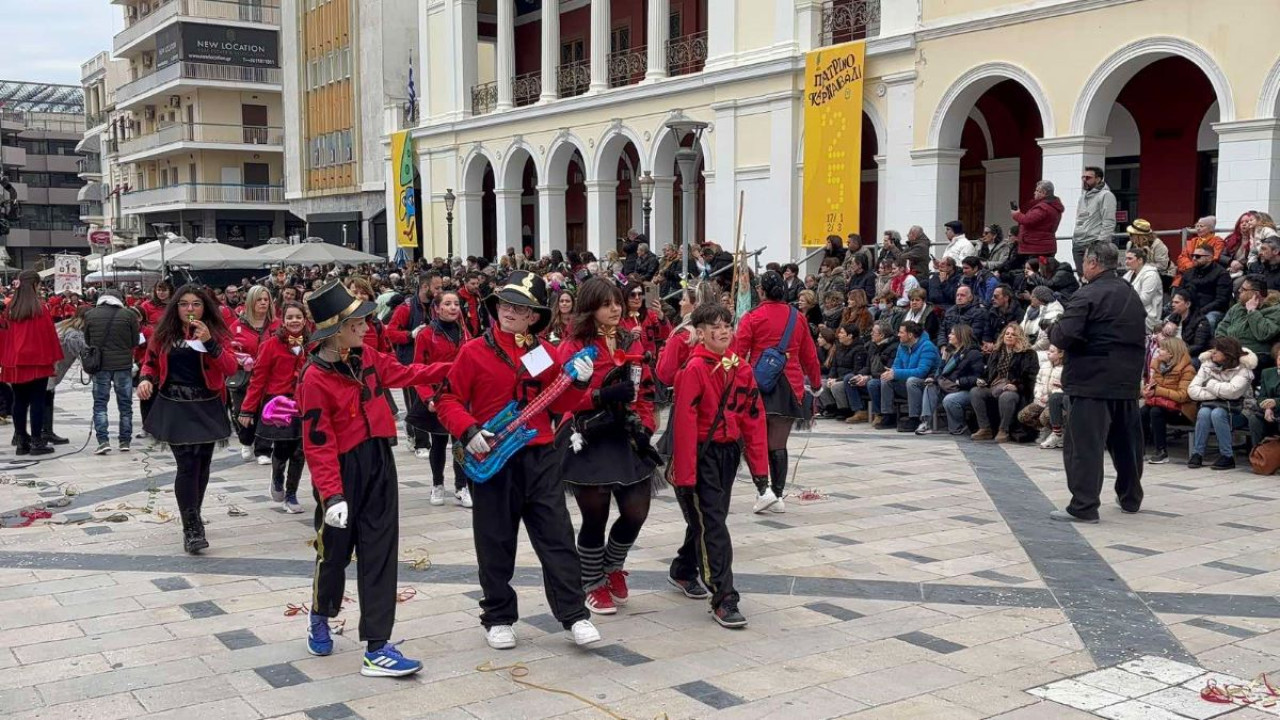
<point>295,340</point>
<point>523,339</point>
<point>729,362</point>
<point>609,332</point>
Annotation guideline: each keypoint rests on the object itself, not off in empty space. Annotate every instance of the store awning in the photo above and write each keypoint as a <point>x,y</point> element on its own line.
<point>90,145</point>
<point>91,192</point>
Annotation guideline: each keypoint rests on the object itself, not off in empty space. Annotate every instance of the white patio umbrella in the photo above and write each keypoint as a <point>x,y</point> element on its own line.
<point>316,252</point>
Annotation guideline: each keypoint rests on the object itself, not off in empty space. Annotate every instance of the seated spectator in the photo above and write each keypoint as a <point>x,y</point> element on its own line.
<point>884,276</point>
<point>830,278</point>
<point>1204,238</point>
<point>1146,282</point>
<point>1140,236</point>
<point>917,357</point>
<point>1240,246</point>
<point>807,304</point>
<point>1221,386</point>
<point>856,314</point>
<point>977,278</point>
<point>1165,395</point>
<point>825,341</point>
<point>890,309</point>
<point>941,287</point>
<point>832,309</point>
<point>920,311</point>
<point>1004,309</point>
<point>903,280</point>
<point>834,250</point>
<point>1262,419</point>
<point>965,311</point>
<point>1045,411</point>
<point>890,246</point>
<point>1255,318</point>
<point>1209,285</point>
<point>791,282</point>
<point>1027,280</point>
<point>811,282</point>
<point>1043,312</point>
<point>958,373</point>
<point>881,351</point>
<point>841,362</point>
<point>1187,322</point>
<point>861,276</point>
<point>1008,383</point>
<point>1060,278</point>
<point>1268,263</point>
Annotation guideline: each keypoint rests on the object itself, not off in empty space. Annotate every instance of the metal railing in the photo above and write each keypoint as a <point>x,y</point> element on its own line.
<point>526,89</point>
<point>574,78</point>
<point>90,210</point>
<point>484,98</point>
<point>92,120</point>
<point>89,165</point>
<point>210,193</point>
<point>204,132</point>
<point>255,11</point>
<point>627,67</point>
<point>845,20</point>
<point>197,71</point>
<point>687,54</point>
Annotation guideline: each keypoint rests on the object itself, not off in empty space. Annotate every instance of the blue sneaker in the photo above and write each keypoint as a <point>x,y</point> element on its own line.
<point>388,662</point>
<point>318,640</point>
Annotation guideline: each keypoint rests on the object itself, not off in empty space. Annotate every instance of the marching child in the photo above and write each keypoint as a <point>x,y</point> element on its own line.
<point>439,341</point>
<point>715,394</point>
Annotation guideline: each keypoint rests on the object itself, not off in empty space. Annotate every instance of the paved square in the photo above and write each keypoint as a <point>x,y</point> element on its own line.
<point>901,593</point>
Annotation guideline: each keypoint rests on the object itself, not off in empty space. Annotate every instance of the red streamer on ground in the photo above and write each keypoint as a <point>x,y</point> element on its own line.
<point>811,495</point>
<point>31,515</point>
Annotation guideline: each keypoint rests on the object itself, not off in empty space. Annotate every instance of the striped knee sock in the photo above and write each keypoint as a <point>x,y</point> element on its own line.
<point>615,555</point>
<point>592,560</point>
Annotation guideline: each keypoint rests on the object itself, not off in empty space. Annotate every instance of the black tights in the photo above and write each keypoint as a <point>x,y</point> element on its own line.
<point>593,502</point>
<point>439,453</point>
<point>28,399</point>
<point>191,478</point>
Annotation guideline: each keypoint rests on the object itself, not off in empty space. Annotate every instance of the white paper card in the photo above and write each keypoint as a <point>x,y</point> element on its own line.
<point>537,361</point>
<point>196,345</point>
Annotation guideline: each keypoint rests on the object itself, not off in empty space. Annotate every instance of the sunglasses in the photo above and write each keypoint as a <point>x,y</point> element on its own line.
<point>1199,255</point>
<point>638,293</point>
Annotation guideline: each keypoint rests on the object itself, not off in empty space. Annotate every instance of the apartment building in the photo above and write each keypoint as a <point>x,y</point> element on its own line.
<point>105,180</point>
<point>40,126</point>
<point>199,122</point>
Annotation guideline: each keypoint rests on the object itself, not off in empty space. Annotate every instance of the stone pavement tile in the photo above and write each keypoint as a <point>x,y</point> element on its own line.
<point>183,694</point>
<point>1044,710</point>
<point>106,707</point>
<point>1186,703</point>
<point>226,709</point>
<point>335,711</point>
<point>1138,710</point>
<point>1170,672</point>
<point>924,707</point>
<point>52,587</point>
<point>1121,682</point>
<point>132,619</point>
<point>39,652</point>
<point>893,684</point>
<point>7,659</point>
<point>526,704</point>
<point>345,689</point>
<point>52,632</point>
<point>258,656</point>
<point>164,652</point>
<point>121,680</point>
<point>239,639</point>
<point>1076,694</point>
<point>220,595</point>
<point>767,680</point>
<point>392,703</point>
<point>39,673</point>
<point>987,695</point>
<point>1238,661</point>
<point>38,611</point>
<point>19,698</point>
<point>1003,656</point>
<point>669,672</point>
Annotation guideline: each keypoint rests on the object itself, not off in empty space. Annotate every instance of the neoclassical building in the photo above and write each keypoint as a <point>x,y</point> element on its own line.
<point>543,131</point>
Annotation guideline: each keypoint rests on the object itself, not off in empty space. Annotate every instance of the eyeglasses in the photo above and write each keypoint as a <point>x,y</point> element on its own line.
<point>638,293</point>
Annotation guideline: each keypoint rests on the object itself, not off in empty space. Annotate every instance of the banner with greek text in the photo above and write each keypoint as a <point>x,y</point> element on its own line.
<point>832,141</point>
<point>402,167</point>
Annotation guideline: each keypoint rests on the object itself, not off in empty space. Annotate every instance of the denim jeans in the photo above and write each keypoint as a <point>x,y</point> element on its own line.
<point>883,393</point>
<point>853,394</point>
<point>1220,420</point>
<point>915,396</point>
<point>954,405</point>
<point>103,382</point>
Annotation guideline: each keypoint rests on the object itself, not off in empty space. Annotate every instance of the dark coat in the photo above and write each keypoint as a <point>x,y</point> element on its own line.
<point>1103,332</point>
<point>1194,331</point>
<point>964,368</point>
<point>1210,288</point>
<point>866,282</point>
<point>942,292</point>
<point>1269,272</point>
<point>997,319</point>
<point>845,360</point>
<point>646,266</point>
<point>879,357</point>
<point>973,315</point>
<point>117,345</point>
<point>1022,371</point>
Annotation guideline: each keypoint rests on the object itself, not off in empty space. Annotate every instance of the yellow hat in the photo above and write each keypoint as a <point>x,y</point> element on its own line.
<point>1139,227</point>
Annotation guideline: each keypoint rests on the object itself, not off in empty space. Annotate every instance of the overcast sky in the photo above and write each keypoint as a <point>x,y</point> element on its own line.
<point>47,40</point>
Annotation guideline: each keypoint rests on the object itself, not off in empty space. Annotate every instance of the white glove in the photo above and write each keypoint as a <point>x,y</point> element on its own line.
<point>417,330</point>
<point>336,515</point>
<point>583,369</point>
<point>479,444</point>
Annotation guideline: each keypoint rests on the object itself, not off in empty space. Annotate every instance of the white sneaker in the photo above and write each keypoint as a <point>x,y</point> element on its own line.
<point>422,453</point>
<point>246,453</point>
<point>437,494</point>
<point>584,633</point>
<point>766,499</point>
<point>264,459</point>
<point>778,507</point>
<point>924,428</point>
<point>1052,442</point>
<point>501,637</point>
<point>463,497</point>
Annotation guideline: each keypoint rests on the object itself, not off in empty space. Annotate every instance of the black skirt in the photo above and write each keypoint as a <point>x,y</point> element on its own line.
<point>274,433</point>
<point>187,415</point>
<point>782,402</point>
<point>608,457</point>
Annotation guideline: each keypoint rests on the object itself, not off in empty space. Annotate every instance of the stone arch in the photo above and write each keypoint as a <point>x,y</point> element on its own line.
<point>473,167</point>
<point>873,115</point>
<point>513,164</point>
<point>953,109</point>
<point>610,148</point>
<point>1269,100</point>
<point>662,155</point>
<point>1100,91</point>
<point>558,156</point>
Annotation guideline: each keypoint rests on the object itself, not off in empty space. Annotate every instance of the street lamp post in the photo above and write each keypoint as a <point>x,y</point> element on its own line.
<point>646,194</point>
<point>449,199</point>
<point>687,162</point>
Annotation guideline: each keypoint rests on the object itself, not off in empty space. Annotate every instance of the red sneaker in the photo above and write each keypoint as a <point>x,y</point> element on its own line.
<point>600,602</point>
<point>617,584</point>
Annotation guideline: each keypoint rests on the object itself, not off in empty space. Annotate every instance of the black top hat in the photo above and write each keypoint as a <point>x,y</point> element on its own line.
<point>525,289</point>
<point>331,306</point>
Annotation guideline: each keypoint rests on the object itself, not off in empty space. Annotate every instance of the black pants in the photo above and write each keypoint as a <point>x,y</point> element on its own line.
<point>48,412</point>
<point>1155,424</point>
<point>6,399</point>
<point>369,484</point>
<point>28,402</point>
<point>191,479</point>
<point>420,439</point>
<point>1260,428</point>
<point>286,464</point>
<point>248,436</point>
<point>528,489</point>
<point>439,455</point>
<point>707,551</point>
<point>1094,426</point>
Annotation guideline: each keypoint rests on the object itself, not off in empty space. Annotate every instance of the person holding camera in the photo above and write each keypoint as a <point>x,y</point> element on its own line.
<point>1038,225</point>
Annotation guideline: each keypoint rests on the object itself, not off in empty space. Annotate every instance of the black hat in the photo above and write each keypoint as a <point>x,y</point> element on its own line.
<point>332,305</point>
<point>522,288</point>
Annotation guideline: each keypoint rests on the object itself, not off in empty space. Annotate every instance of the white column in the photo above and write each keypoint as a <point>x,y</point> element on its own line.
<point>421,60</point>
<point>551,222</point>
<point>637,208</point>
<point>1064,159</point>
<point>659,29</point>
<point>600,31</point>
<point>465,54</point>
<point>871,236</point>
<point>506,59</point>
<point>722,34</point>
<point>936,195</point>
<point>898,176</point>
<point>663,216</point>
<point>770,226</point>
<point>508,218</point>
<point>1003,176</point>
<point>468,224</point>
<point>809,24</point>
<point>722,196</point>
<point>1248,171</point>
<point>550,51</point>
<point>602,216</point>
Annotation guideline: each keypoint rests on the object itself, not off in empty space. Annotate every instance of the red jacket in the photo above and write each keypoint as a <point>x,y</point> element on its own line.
<point>436,347</point>
<point>151,311</point>
<point>653,330</point>
<point>486,375</point>
<point>340,411</point>
<point>28,348</point>
<point>275,372</point>
<point>604,364</point>
<point>218,364</point>
<point>398,327</point>
<point>470,311</point>
<point>1038,227</point>
<point>699,389</point>
<point>762,328</point>
<point>375,337</point>
<point>675,353</point>
<point>247,339</point>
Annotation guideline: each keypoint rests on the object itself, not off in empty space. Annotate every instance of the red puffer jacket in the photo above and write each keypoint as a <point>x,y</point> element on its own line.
<point>1038,227</point>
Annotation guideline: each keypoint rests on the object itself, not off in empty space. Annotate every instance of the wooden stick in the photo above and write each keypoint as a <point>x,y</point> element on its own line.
<point>737,248</point>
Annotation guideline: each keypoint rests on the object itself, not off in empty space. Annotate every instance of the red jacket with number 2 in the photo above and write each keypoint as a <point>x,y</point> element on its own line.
<point>699,388</point>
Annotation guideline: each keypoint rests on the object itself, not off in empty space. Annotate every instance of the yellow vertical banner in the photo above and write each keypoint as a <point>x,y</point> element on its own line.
<point>402,170</point>
<point>832,141</point>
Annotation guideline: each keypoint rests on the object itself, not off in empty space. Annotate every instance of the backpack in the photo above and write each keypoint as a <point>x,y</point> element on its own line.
<point>774,360</point>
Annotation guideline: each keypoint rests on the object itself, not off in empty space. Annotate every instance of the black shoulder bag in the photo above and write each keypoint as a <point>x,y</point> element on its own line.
<point>91,355</point>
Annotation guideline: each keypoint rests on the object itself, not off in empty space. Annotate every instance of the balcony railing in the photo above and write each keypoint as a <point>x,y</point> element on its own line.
<point>197,71</point>
<point>627,67</point>
<point>208,193</point>
<point>206,133</point>
<point>846,20</point>
<point>526,88</point>
<point>93,120</point>
<point>90,210</point>
<point>95,64</point>
<point>89,165</point>
<point>484,98</point>
<point>110,147</point>
<point>687,54</point>
<point>256,11</point>
<point>574,78</point>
